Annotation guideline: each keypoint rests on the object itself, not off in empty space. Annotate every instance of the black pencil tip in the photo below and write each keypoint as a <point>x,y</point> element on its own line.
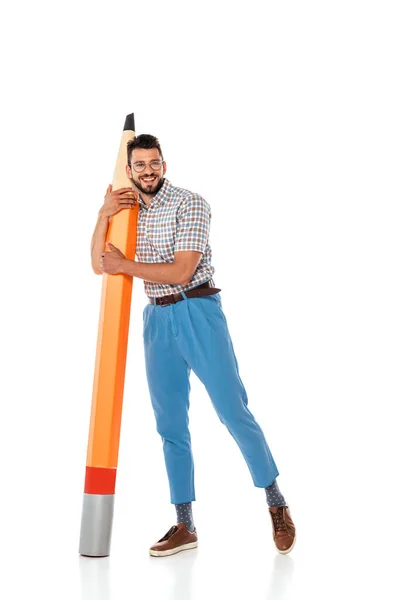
<point>129,122</point>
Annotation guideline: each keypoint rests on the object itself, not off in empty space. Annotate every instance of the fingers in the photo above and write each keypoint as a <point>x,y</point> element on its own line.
<point>124,190</point>
<point>119,199</point>
<point>126,199</point>
<point>127,204</point>
<point>121,191</point>
<point>128,195</point>
<point>111,247</point>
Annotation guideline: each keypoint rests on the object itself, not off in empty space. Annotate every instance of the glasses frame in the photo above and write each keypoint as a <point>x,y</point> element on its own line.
<point>157,160</point>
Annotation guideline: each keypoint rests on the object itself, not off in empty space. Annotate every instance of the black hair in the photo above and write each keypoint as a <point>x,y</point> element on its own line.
<point>144,140</point>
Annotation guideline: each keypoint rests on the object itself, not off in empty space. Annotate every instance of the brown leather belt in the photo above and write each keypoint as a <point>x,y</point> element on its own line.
<point>204,289</point>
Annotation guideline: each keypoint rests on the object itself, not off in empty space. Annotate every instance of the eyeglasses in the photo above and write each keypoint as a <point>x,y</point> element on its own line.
<point>140,166</point>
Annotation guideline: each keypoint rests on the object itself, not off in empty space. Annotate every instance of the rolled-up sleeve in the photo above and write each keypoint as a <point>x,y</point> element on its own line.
<point>193,224</point>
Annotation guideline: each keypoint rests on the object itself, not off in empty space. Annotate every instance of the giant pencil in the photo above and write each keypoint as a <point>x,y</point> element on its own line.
<point>109,376</point>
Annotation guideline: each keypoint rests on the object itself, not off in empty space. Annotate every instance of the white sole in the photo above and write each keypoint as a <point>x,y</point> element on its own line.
<point>289,549</point>
<point>173,550</point>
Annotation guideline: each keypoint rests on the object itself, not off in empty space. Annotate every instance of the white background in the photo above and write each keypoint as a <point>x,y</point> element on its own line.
<point>285,117</point>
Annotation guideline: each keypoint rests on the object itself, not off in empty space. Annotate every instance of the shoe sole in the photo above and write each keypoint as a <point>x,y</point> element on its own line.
<point>173,550</point>
<point>289,549</point>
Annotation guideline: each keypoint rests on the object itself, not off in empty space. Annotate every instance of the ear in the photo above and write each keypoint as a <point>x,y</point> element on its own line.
<point>128,171</point>
<point>164,166</point>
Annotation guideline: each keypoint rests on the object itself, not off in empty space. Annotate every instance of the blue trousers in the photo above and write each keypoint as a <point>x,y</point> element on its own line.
<point>193,335</point>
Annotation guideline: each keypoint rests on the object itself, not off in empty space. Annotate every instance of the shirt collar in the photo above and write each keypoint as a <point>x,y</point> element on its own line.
<point>164,193</point>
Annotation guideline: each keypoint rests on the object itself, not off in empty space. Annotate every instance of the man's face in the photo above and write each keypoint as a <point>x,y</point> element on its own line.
<point>150,179</point>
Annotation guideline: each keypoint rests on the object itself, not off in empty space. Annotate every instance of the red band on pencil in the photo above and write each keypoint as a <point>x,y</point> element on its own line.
<point>100,480</point>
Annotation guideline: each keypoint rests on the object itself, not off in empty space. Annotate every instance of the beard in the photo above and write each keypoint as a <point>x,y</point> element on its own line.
<point>149,190</point>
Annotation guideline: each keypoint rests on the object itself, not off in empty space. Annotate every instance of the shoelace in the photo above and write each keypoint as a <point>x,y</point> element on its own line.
<point>279,522</point>
<point>169,533</point>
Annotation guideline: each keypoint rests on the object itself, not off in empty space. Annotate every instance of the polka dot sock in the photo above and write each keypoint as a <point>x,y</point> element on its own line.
<point>274,496</point>
<point>184,515</point>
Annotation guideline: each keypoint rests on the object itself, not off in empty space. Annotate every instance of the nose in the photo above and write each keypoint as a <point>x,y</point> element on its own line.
<point>148,170</point>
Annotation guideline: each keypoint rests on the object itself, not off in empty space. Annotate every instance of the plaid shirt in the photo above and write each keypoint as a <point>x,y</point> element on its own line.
<point>175,220</point>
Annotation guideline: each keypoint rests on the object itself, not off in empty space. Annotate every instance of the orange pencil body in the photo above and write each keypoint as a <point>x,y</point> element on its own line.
<point>109,376</point>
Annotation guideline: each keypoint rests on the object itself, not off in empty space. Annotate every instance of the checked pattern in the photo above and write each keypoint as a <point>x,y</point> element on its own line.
<point>176,220</point>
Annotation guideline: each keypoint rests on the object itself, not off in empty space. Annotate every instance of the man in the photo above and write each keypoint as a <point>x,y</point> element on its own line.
<point>184,329</point>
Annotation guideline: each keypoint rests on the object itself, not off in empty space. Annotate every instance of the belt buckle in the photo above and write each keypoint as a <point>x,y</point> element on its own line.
<point>164,302</point>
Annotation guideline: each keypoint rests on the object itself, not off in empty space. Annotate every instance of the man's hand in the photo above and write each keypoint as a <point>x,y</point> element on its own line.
<point>111,262</point>
<point>118,200</point>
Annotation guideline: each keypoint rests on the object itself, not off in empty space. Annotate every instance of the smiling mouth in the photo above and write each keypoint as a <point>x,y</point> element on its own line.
<point>149,179</point>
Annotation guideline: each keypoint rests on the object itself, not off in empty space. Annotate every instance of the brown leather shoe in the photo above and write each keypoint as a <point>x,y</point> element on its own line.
<point>284,531</point>
<point>176,539</point>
